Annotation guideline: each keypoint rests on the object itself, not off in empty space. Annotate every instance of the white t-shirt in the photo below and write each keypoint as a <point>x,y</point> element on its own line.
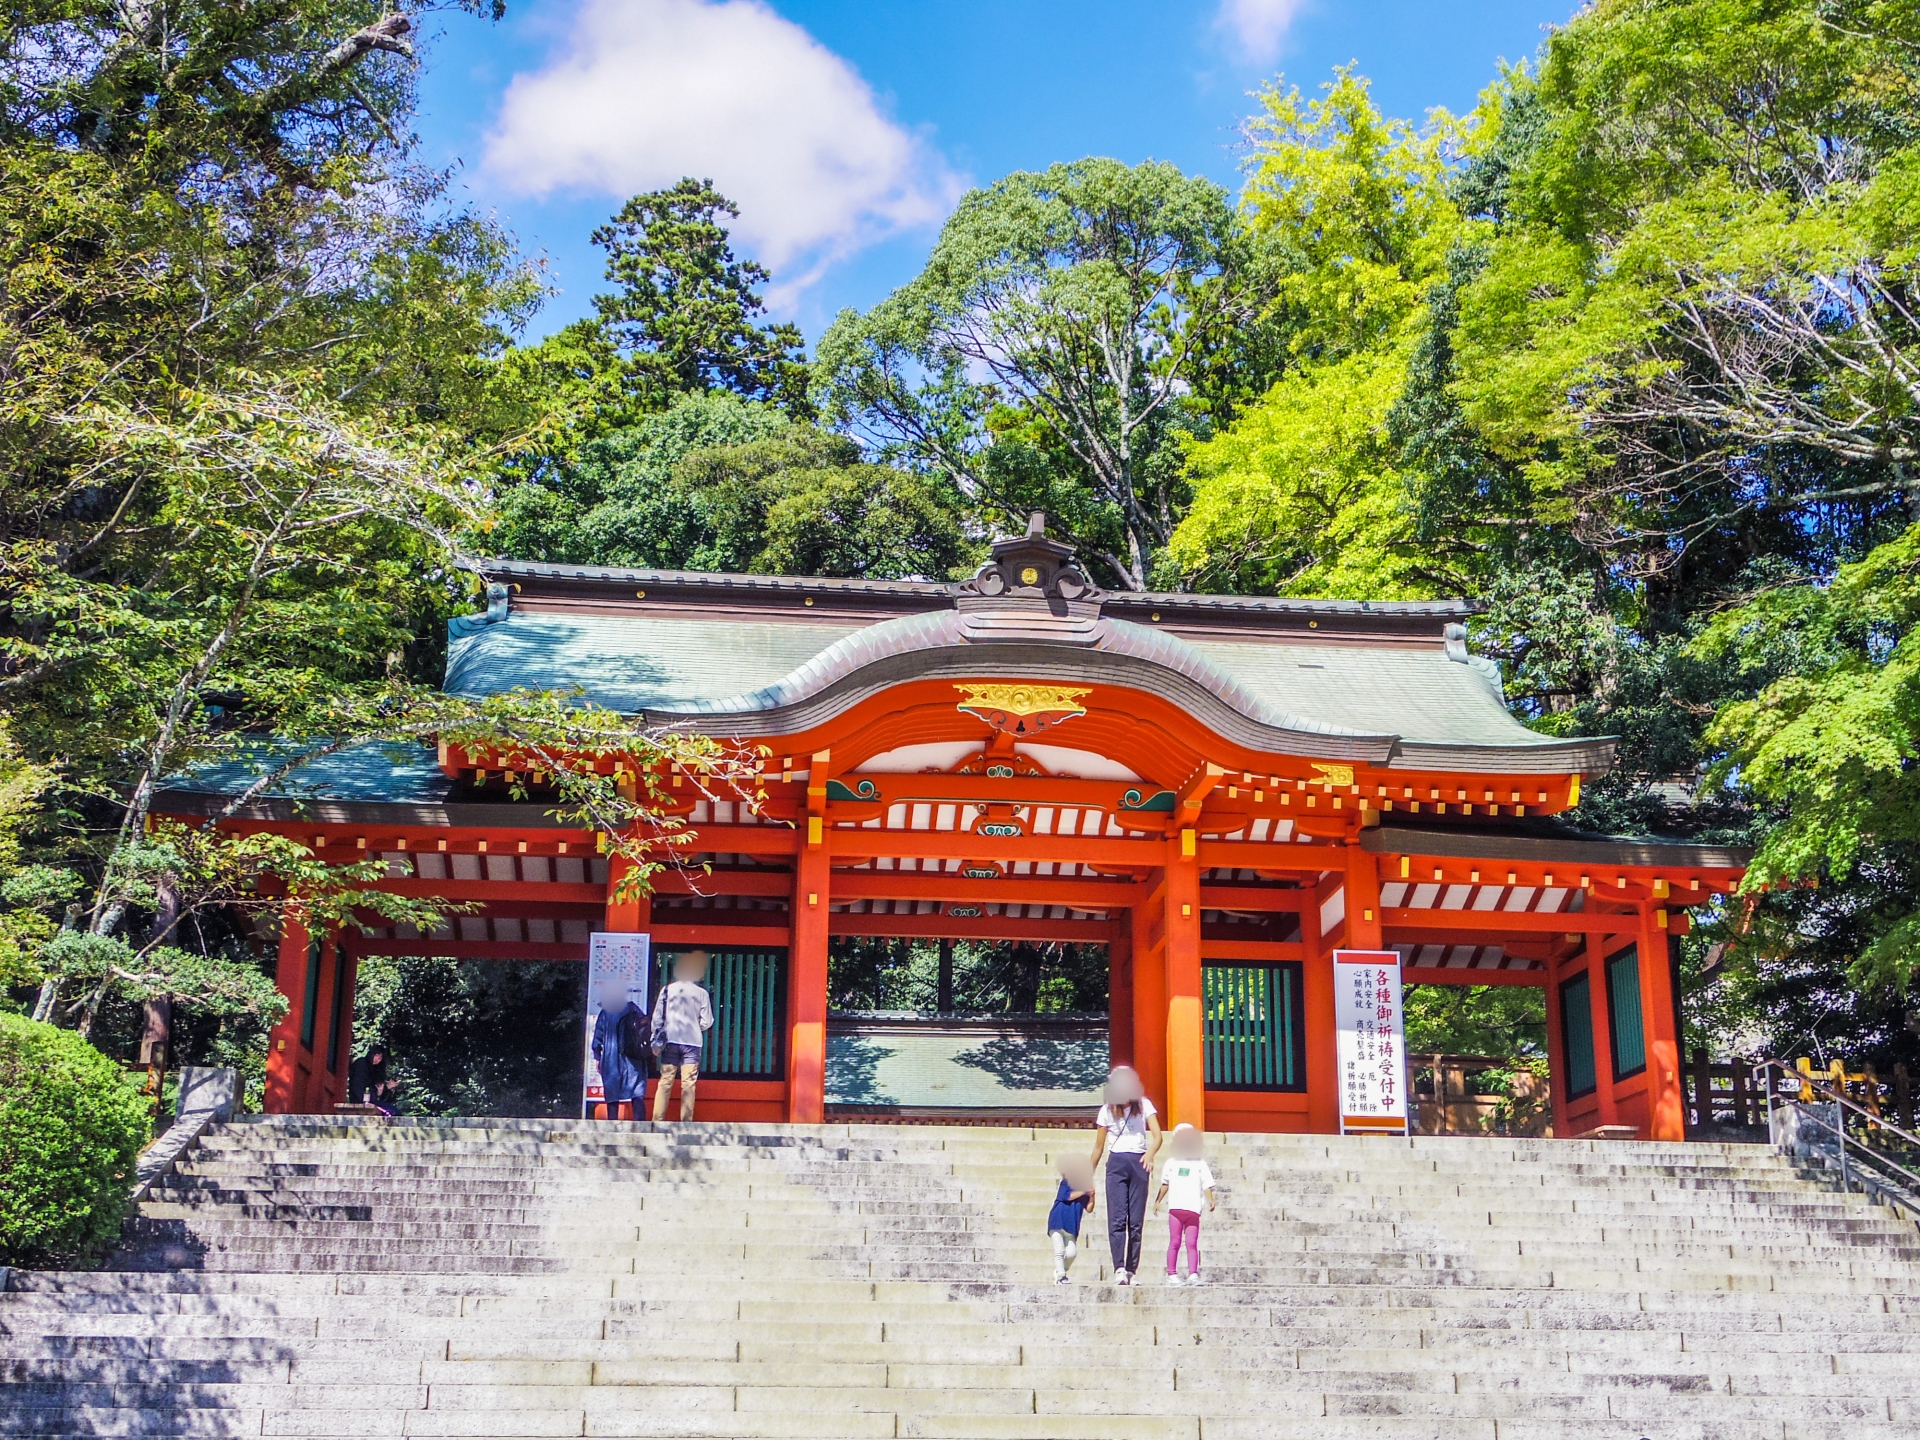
<point>1126,1135</point>
<point>1187,1183</point>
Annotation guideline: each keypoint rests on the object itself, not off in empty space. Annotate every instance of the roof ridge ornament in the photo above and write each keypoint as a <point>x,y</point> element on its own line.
<point>1031,570</point>
<point>499,596</point>
<point>1031,591</point>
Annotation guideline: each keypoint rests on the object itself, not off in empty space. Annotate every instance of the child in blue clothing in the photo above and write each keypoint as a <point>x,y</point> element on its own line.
<point>1071,1202</point>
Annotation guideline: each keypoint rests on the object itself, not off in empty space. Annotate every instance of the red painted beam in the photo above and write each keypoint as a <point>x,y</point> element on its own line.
<point>525,910</point>
<point>469,949</point>
<point>738,840</point>
<point>977,927</point>
<point>1433,975</point>
<point>1254,897</point>
<point>531,892</point>
<point>1285,856</point>
<point>1010,889</point>
<point>734,934</point>
<point>1052,792</point>
<point>1211,950</point>
<point>695,881</point>
<point>1411,924</point>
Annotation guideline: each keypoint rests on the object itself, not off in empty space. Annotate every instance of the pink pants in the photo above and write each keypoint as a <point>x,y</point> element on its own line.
<point>1187,1223</point>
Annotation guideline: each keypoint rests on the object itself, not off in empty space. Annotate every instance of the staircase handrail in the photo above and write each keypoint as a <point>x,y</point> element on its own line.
<point>1763,1075</point>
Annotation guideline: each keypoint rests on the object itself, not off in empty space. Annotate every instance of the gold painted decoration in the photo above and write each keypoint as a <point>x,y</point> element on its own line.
<point>1019,708</point>
<point>1335,774</point>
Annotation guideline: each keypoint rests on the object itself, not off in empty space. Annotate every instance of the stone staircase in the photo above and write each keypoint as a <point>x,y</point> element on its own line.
<point>318,1277</point>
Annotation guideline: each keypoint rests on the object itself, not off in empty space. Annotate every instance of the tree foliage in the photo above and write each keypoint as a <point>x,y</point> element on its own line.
<point>1627,356</point>
<point>1308,492</point>
<point>1064,316</point>
<point>684,311</point>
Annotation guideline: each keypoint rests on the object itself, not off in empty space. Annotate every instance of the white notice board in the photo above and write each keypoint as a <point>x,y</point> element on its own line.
<point>616,956</point>
<point>1372,1042</point>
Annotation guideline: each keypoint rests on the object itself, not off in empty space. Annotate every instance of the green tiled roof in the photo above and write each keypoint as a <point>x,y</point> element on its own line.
<point>1392,695</point>
<point>633,663</point>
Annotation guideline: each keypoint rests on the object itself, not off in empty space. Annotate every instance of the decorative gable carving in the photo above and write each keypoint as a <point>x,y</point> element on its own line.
<point>1031,590</point>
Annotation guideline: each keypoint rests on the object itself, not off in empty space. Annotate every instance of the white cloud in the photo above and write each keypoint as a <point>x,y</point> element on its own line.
<point>643,92</point>
<point>1258,27</point>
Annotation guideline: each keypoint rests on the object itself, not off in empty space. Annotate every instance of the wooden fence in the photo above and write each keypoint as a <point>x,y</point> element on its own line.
<point>1724,1094</point>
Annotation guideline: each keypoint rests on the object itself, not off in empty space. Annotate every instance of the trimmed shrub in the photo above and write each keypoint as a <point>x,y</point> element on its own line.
<point>71,1126</point>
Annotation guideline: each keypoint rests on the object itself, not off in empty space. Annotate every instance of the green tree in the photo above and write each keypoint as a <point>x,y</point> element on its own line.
<point>1306,492</point>
<point>249,404</point>
<point>240,418</point>
<point>615,503</point>
<point>684,313</point>
<point>803,503</point>
<point>1064,315</point>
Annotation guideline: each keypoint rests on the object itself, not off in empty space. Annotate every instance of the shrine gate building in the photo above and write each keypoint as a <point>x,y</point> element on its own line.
<point>1221,790</point>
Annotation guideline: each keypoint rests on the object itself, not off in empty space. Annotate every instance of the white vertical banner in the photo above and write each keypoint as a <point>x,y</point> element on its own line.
<point>617,958</point>
<point>1372,1045</point>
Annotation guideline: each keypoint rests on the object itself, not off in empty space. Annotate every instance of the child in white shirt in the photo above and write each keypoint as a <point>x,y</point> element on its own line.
<point>1185,1181</point>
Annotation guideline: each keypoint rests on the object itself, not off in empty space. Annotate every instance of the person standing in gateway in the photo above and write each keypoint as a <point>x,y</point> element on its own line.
<point>620,1051</point>
<point>682,1015</point>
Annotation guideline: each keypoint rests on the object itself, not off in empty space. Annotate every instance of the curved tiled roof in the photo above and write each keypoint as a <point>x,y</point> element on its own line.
<point>758,656</point>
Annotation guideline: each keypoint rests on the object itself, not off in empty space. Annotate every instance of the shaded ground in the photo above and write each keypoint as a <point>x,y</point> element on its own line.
<point>948,1068</point>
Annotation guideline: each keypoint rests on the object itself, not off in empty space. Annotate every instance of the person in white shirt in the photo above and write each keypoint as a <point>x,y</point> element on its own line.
<point>1186,1180</point>
<point>682,1015</point>
<point>1128,1130</point>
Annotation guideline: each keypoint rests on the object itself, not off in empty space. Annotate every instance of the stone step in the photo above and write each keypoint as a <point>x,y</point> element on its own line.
<point>518,1278</point>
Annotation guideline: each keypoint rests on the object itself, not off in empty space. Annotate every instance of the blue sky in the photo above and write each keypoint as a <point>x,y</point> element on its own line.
<point>846,130</point>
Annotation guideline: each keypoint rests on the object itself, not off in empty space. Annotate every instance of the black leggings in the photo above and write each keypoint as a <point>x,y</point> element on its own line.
<point>1126,1208</point>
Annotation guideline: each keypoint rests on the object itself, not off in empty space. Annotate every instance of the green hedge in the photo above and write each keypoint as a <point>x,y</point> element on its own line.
<point>71,1126</point>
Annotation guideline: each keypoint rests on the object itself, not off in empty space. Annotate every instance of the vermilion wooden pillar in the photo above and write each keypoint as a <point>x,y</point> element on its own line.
<point>1557,1053</point>
<point>807,979</point>
<point>628,916</point>
<point>324,1085</point>
<point>1666,1102</point>
<point>1147,923</point>
<point>1186,1055</point>
<point>1120,991</point>
<point>1316,996</point>
<point>283,1042</point>
<point>1363,900</point>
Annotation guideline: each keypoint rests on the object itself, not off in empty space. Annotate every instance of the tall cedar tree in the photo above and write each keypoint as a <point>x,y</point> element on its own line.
<point>684,313</point>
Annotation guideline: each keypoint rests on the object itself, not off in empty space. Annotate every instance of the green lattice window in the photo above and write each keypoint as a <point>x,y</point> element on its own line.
<point>748,991</point>
<point>1623,1013</point>
<point>342,967</point>
<point>1576,1035</point>
<point>310,999</point>
<point>1253,1024</point>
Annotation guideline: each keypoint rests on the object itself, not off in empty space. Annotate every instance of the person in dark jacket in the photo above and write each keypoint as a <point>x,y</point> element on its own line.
<point>620,1042</point>
<point>367,1082</point>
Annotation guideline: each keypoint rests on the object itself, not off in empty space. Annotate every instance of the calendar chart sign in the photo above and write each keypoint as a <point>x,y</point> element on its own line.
<point>1372,1042</point>
<point>616,974</point>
